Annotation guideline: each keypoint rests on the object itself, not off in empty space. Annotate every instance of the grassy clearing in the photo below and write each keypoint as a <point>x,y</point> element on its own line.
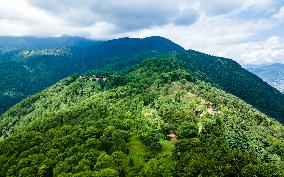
<point>167,148</point>
<point>137,151</point>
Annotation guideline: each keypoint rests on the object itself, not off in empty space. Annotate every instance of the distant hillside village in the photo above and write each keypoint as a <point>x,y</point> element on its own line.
<point>94,78</point>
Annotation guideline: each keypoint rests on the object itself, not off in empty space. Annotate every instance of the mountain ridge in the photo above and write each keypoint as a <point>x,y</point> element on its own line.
<point>120,127</point>
<point>9,43</point>
<point>37,72</point>
<point>231,77</point>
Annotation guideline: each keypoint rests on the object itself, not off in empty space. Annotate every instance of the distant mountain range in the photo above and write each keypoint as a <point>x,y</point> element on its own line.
<point>8,43</point>
<point>25,72</point>
<point>272,74</point>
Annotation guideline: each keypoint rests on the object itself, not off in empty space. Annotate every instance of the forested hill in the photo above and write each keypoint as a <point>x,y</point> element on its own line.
<point>26,72</point>
<point>155,119</point>
<point>230,76</point>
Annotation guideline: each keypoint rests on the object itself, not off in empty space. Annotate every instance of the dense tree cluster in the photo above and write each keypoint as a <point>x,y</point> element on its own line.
<point>231,77</point>
<point>155,119</point>
<point>25,74</point>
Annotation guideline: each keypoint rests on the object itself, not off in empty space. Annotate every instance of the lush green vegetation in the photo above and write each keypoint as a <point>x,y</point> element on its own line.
<point>231,77</point>
<point>119,127</point>
<point>24,73</point>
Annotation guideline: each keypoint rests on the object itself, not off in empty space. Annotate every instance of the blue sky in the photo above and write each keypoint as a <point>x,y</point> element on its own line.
<point>248,31</point>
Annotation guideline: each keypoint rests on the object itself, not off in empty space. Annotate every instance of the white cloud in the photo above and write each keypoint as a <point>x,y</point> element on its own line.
<point>124,15</point>
<point>242,29</point>
<point>280,14</point>
<point>186,16</point>
<point>218,7</point>
<point>270,51</point>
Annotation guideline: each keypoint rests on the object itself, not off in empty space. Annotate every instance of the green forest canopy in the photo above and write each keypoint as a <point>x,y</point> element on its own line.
<point>24,75</point>
<point>120,127</point>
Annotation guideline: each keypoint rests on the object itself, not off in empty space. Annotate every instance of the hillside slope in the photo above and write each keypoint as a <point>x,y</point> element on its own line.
<point>231,77</point>
<point>156,119</point>
<point>27,72</point>
<point>24,73</point>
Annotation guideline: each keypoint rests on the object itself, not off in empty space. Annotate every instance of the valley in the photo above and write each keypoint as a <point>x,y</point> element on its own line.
<point>272,74</point>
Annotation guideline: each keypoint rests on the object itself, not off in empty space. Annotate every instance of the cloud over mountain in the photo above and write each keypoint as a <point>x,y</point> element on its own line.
<point>226,28</point>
